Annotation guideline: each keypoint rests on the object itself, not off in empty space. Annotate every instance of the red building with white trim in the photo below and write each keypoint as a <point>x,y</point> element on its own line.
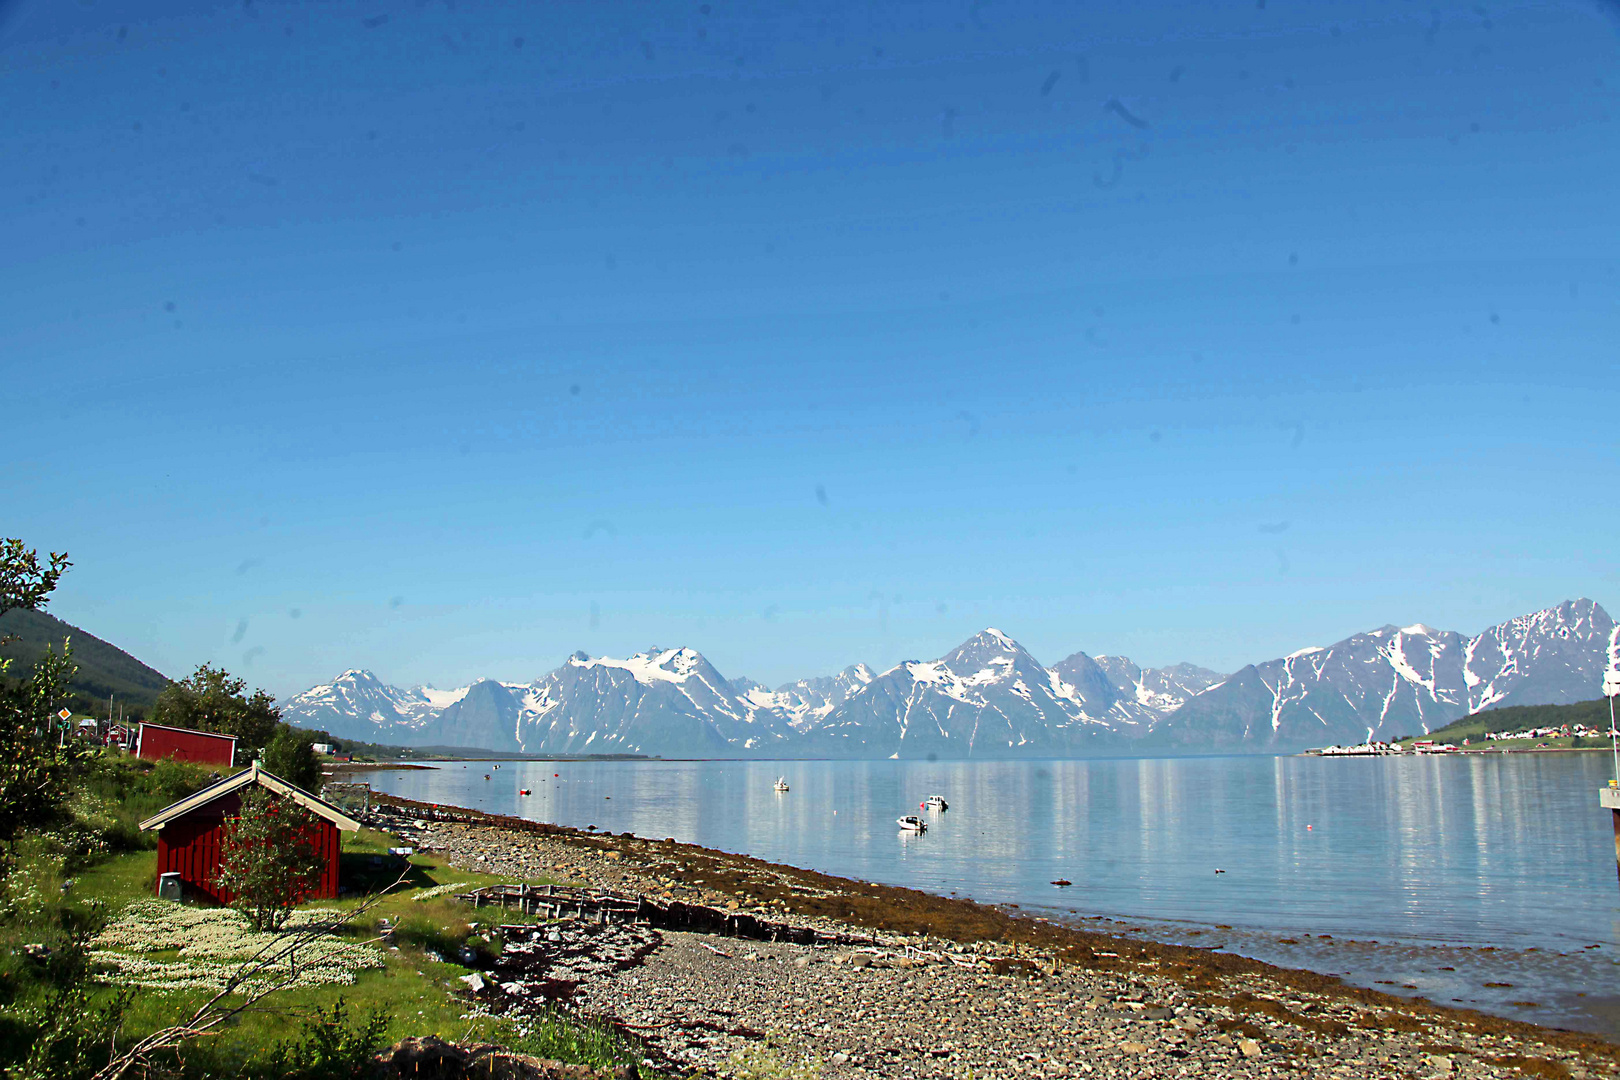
<point>155,742</point>
<point>192,831</point>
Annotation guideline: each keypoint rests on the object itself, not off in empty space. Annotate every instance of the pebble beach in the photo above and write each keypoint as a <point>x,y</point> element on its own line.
<point>941,987</point>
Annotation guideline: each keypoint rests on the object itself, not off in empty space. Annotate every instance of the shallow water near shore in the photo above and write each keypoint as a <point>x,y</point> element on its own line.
<point>1431,876</point>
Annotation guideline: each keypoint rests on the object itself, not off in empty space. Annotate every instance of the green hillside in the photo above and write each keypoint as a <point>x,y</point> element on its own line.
<point>104,669</point>
<point>1522,718</point>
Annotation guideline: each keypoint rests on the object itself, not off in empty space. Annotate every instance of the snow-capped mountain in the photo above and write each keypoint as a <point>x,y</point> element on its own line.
<point>807,702</point>
<point>1547,658</point>
<point>990,698</point>
<point>1397,681</point>
<point>1129,698</point>
<point>357,705</point>
<point>1157,690</point>
<point>663,702</point>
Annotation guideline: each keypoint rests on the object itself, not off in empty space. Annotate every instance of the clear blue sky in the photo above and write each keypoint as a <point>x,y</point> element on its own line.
<point>446,339</point>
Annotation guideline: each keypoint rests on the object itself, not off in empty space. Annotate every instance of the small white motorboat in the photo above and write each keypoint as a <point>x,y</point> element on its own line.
<point>781,784</point>
<point>935,802</point>
<point>913,823</point>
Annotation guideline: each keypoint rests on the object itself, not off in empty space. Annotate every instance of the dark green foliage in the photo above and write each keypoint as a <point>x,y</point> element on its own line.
<point>290,757</point>
<point>38,762</point>
<point>212,699</point>
<point>120,791</point>
<point>64,1035</point>
<point>330,1047</point>
<point>1593,714</point>
<point>104,669</point>
<point>269,858</point>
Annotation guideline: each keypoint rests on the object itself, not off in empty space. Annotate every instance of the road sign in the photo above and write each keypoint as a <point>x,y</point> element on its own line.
<point>64,714</point>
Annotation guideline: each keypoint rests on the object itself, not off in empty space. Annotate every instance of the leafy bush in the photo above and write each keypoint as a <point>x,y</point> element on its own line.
<point>329,1048</point>
<point>119,791</point>
<point>269,859</point>
<point>291,756</point>
<point>68,1036</point>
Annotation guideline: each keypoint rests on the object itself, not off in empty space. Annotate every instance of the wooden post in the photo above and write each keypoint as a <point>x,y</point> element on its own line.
<point>1616,814</point>
<point>1609,797</point>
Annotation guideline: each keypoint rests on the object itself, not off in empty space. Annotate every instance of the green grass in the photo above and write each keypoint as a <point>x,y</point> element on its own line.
<point>415,991</point>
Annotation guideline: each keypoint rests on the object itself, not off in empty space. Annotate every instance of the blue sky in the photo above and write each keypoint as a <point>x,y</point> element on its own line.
<point>445,340</point>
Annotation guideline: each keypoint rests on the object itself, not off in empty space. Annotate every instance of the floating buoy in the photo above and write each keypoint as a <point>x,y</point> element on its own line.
<point>1308,828</point>
<point>1062,883</point>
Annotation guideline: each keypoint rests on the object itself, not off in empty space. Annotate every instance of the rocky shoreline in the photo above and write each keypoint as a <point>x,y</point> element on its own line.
<point>947,988</point>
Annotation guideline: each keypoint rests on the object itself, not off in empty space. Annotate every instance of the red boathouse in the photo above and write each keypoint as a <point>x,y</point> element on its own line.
<point>155,742</point>
<point>191,832</point>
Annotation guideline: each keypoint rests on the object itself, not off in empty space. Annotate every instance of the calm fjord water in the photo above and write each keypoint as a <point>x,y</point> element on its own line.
<point>1432,858</point>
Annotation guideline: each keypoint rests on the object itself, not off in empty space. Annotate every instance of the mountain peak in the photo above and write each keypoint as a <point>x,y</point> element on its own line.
<point>986,643</point>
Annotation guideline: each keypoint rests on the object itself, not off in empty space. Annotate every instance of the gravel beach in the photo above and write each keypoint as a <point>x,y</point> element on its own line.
<point>945,987</point>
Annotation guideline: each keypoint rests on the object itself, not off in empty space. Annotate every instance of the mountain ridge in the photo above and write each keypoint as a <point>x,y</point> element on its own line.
<point>989,697</point>
<point>103,668</point>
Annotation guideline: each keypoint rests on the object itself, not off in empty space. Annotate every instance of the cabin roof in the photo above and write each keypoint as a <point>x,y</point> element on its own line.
<point>254,774</point>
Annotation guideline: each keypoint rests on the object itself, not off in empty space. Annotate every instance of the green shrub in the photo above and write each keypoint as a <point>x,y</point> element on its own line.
<point>67,1035</point>
<point>330,1047</point>
<point>564,1036</point>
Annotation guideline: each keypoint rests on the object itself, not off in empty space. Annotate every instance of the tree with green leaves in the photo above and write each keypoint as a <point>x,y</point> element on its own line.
<point>270,859</point>
<point>38,760</point>
<point>212,699</point>
<point>25,582</point>
<point>291,756</point>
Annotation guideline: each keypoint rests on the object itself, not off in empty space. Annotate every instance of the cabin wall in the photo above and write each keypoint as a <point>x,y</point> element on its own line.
<point>191,846</point>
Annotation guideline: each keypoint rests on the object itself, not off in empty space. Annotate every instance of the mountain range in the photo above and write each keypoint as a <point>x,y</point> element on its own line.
<point>990,698</point>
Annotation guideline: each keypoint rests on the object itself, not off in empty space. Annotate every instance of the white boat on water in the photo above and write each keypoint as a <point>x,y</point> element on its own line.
<point>935,802</point>
<point>913,823</point>
<point>781,784</point>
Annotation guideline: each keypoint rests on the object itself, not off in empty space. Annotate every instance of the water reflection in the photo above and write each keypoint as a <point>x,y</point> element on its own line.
<point>1480,850</point>
<point>1510,851</point>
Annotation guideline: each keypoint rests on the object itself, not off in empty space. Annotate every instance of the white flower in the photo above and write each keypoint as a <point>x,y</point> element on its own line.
<point>211,944</point>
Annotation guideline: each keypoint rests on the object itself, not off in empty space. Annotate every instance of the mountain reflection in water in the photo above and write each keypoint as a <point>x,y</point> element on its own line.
<point>1501,868</point>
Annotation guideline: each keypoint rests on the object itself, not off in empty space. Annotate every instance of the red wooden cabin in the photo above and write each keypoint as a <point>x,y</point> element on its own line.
<point>191,831</point>
<point>158,741</point>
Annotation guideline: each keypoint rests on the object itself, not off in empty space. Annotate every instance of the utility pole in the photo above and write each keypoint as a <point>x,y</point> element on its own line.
<point>1609,797</point>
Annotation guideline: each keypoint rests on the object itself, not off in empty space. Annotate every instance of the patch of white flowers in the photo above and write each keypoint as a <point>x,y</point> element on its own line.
<point>212,943</point>
<point>440,890</point>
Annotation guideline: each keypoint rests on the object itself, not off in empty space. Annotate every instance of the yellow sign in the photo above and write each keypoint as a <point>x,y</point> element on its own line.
<point>64,714</point>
